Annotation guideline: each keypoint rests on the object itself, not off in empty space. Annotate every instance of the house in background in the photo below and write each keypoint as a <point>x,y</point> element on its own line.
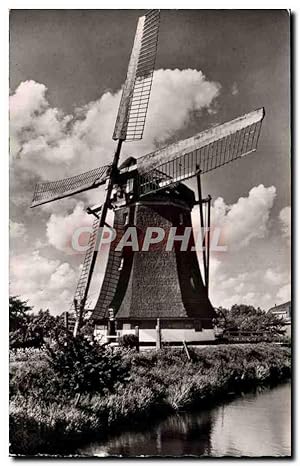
<point>283,311</point>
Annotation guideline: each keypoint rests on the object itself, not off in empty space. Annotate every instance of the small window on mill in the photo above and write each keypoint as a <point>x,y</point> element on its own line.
<point>121,264</point>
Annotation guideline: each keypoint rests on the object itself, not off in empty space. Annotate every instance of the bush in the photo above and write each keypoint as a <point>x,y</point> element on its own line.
<point>129,341</point>
<point>21,339</point>
<point>86,367</point>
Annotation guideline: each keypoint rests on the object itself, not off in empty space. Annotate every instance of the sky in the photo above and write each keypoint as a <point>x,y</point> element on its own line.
<point>67,68</point>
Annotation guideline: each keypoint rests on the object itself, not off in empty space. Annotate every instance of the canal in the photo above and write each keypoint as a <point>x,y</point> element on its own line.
<point>256,424</point>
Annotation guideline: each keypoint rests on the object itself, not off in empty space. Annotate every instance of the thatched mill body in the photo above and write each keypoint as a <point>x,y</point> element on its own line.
<point>141,286</point>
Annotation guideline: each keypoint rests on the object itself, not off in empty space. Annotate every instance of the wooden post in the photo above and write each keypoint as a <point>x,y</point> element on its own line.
<point>79,315</point>
<point>77,399</point>
<point>137,334</point>
<point>76,326</point>
<point>158,335</point>
<point>111,324</point>
<point>186,350</point>
<point>66,320</point>
<point>208,243</point>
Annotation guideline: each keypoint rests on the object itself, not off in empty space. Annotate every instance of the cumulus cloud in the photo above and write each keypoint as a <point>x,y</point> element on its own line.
<point>61,206</point>
<point>245,220</point>
<point>46,142</point>
<point>32,269</point>
<point>34,125</point>
<point>176,94</point>
<point>248,288</point>
<point>45,282</point>
<point>241,223</point>
<point>276,276</point>
<point>62,275</point>
<point>61,228</point>
<point>252,298</point>
<point>284,293</point>
<point>285,222</point>
<point>27,101</point>
<point>17,230</point>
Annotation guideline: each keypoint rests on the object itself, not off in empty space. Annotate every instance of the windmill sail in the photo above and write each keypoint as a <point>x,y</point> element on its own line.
<point>84,274</point>
<point>131,116</point>
<point>204,152</point>
<point>136,92</point>
<point>51,190</point>
<point>112,272</point>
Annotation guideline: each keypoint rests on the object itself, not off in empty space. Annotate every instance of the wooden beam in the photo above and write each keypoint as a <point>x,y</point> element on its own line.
<point>208,244</point>
<point>105,206</point>
<point>186,350</point>
<point>158,335</point>
<point>200,203</point>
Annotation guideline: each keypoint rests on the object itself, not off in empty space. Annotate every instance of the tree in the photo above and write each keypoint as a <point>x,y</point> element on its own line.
<point>246,318</point>
<point>28,329</point>
<point>43,323</point>
<point>18,313</point>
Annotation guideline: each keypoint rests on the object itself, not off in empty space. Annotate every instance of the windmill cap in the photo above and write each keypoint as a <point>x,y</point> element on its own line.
<point>128,163</point>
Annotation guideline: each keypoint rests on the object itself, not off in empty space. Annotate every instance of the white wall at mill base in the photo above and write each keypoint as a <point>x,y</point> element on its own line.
<point>167,335</point>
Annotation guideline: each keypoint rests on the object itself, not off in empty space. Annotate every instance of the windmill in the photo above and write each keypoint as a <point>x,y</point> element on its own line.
<point>139,286</point>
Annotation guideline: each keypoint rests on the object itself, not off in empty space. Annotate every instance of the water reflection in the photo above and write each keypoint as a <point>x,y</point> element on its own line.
<point>252,425</point>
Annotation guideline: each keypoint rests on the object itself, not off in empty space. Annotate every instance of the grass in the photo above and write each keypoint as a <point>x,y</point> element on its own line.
<point>43,421</point>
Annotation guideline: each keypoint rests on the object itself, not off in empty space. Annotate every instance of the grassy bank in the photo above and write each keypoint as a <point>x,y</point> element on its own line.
<point>42,420</point>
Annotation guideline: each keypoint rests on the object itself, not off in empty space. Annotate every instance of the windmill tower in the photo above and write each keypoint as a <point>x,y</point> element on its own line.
<point>141,286</point>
